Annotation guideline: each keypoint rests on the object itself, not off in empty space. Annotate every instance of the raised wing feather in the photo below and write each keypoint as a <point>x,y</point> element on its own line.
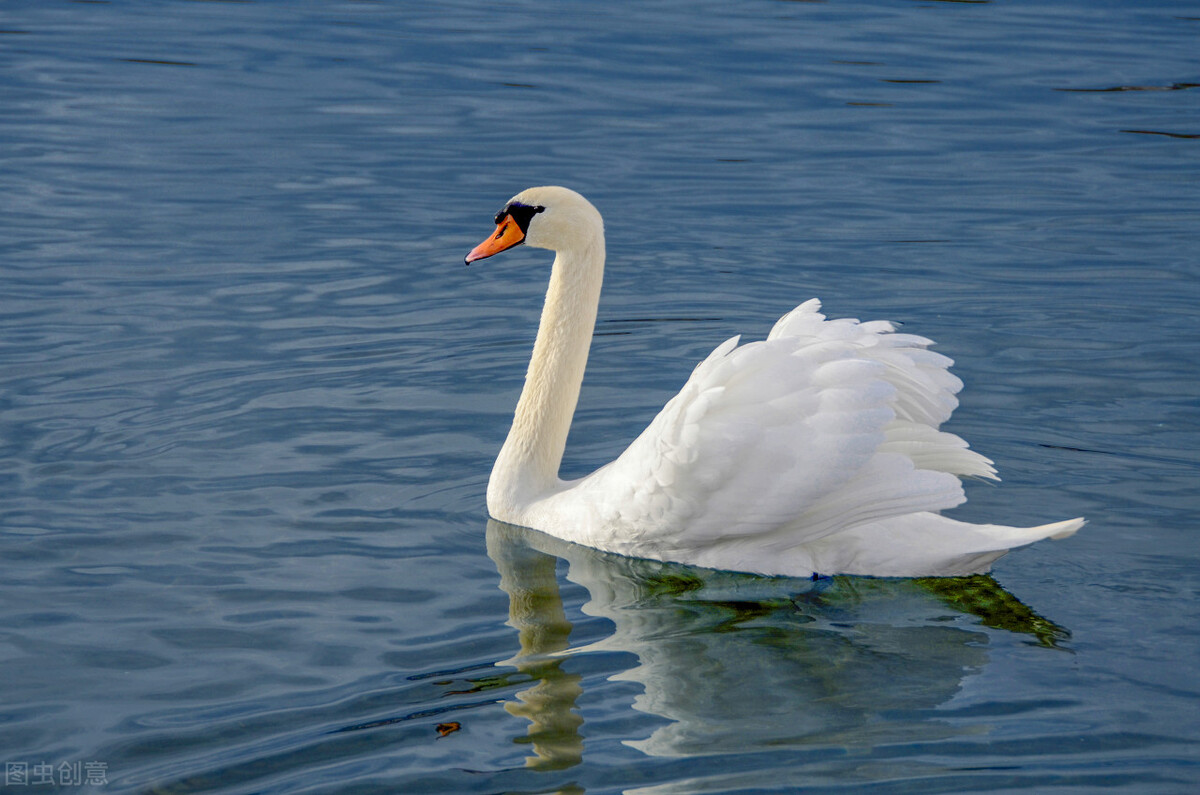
<point>822,426</point>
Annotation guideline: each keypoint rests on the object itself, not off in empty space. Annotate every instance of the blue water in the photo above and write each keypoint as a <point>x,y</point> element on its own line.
<point>249,395</point>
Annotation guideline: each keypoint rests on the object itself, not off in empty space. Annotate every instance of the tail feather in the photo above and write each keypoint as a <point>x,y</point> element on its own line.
<point>915,545</point>
<point>1064,529</point>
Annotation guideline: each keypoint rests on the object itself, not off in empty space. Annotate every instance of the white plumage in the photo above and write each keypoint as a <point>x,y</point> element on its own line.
<point>815,450</point>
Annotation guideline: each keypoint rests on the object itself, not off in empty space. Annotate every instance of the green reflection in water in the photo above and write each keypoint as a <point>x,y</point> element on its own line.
<point>738,663</point>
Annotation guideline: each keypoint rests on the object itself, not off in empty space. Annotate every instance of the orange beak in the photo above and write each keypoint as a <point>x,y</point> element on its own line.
<point>508,234</point>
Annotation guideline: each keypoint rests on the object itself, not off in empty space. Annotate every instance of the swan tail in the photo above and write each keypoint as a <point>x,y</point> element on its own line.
<point>916,545</point>
<point>926,544</point>
<point>1061,530</point>
<point>1005,537</point>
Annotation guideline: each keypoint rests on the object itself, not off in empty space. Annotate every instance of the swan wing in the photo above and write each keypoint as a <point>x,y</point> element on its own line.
<point>822,426</point>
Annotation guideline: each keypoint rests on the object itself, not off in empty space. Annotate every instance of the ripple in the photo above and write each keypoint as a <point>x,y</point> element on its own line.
<point>249,396</point>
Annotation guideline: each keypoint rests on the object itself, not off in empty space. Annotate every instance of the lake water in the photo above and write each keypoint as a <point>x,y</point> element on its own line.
<point>250,396</point>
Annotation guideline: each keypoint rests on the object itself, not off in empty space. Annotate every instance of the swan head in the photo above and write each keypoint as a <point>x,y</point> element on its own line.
<point>547,217</point>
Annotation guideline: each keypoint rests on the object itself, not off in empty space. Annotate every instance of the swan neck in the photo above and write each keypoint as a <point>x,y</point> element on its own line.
<point>528,464</point>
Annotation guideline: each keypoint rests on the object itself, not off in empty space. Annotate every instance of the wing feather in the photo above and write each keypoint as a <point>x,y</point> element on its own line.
<point>828,424</point>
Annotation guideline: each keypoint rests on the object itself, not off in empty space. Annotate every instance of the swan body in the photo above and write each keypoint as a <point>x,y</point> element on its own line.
<point>816,450</point>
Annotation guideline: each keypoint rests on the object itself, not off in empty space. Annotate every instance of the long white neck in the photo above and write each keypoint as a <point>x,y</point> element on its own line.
<point>527,466</point>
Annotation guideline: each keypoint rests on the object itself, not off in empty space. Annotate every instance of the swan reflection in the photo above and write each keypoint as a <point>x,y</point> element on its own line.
<point>738,663</point>
<point>536,610</point>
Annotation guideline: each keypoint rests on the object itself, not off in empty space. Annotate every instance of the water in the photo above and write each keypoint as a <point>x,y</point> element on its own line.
<point>250,396</point>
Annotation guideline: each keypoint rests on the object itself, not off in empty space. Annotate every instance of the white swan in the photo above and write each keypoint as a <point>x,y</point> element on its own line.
<point>816,450</point>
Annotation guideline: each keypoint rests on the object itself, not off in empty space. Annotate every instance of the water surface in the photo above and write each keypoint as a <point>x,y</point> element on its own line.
<point>249,396</point>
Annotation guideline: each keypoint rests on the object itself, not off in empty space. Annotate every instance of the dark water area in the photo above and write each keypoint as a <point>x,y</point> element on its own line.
<point>250,397</point>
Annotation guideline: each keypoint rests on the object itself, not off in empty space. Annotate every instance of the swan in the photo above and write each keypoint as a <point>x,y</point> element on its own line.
<point>814,451</point>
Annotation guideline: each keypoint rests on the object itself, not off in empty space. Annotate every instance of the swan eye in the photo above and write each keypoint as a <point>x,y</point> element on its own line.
<point>521,213</point>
